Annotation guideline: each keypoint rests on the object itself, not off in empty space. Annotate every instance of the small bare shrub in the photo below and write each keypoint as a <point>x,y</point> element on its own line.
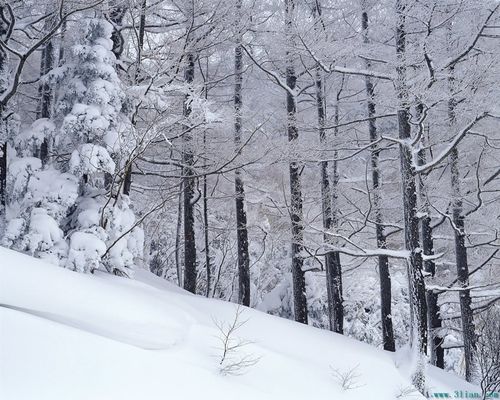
<point>348,380</point>
<point>233,360</point>
<point>488,351</point>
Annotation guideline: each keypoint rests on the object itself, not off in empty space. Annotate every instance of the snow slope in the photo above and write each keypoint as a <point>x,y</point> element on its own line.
<point>69,336</point>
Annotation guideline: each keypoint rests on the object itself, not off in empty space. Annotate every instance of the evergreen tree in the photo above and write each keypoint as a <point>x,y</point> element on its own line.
<point>97,127</point>
<point>73,212</point>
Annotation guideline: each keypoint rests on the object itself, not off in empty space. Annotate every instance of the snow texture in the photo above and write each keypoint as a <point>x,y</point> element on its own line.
<point>73,336</point>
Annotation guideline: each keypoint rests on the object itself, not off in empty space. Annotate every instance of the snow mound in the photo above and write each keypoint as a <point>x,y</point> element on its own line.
<point>65,335</point>
<point>89,303</point>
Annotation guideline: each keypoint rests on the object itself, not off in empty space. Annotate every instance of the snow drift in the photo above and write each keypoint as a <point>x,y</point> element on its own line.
<point>65,335</point>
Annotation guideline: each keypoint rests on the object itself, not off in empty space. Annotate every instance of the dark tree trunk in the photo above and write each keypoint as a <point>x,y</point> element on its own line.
<point>127,183</point>
<point>241,216</point>
<point>140,40</point>
<point>468,329</point>
<point>334,281</point>
<point>332,259</point>
<point>418,302</point>
<point>296,214</point>
<point>62,35</point>
<point>3,176</point>
<point>45,93</point>
<point>3,121</point>
<point>190,273</point>
<point>206,237</point>
<point>47,63</point>
<point>178,239</point>
<point>336,266</point>
<point>205,231</point>
<point>116,15</point>
<point>383,260</point>
<point>433,312</point>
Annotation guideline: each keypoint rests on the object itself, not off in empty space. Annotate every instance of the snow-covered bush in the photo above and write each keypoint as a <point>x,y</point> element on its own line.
<point>95,125</point>
<point>41,200</point>
<point>72,211</point>
<point>30,140</point>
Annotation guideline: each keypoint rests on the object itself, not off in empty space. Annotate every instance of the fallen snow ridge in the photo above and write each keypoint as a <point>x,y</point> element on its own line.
<point>69,336</point>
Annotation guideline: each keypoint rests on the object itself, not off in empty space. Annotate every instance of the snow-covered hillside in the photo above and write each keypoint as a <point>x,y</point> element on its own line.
<point>70,336</point>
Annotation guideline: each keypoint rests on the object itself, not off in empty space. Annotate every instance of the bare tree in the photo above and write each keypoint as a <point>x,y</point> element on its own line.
<point>241,216</point>
<point>189,182</point>
<point>332,258</point>
<point>469,336</point>
<point>233,360</point>
<point>488,351</point>
<point>296,212</point>
<point>418,302</point>
<point>383,260</point>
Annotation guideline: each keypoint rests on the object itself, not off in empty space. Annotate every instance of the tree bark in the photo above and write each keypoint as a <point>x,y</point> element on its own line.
<point>296,213</point>
<point>206,237</point>
<point>205,207</point>
<point>418,303</point>
<point>178,234</point>
<point>3,175</point>
<point>116,15</point>
<point>332,259</point>
<point>190,273</point>
<point>433,311</point>
<point>383,260</point>
<point>436,350</point>
<point>336,270</point>
<point>45,93</point>
<point>241,216</point>
<point>4,134</point>
<point>468,329</point>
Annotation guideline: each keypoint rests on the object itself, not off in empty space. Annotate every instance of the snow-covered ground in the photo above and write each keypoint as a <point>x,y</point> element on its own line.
<point>70,336</point>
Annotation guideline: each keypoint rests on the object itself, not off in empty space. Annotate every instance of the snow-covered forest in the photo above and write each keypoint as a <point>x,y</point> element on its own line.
<point>332,162</point>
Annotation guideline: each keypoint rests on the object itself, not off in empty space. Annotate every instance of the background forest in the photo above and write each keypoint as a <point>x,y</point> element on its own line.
<point>332,162</point>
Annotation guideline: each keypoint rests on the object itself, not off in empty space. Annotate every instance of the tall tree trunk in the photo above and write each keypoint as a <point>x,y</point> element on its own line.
<point>433,312</point>
<point>4,134</point>
<point>296,214</point>
<point>468,329</point>
<point>418,303</point>
<point>336,270</point>
<point>205,202</point>
<point>178,263</point>
<point>190,273</point>
<point>45,92</point>
<point>335,306</point>
<point>241,215</point>
<point>383,260</point>
<point>206,230</point>
<point>3,172</point>
<point>116,15</point>
<point>332,259</point>
<point>61,49</point>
